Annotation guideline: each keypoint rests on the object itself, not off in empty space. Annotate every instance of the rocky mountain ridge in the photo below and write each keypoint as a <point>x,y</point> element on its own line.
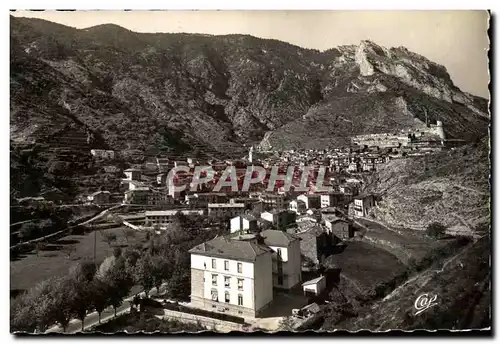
<point>221,91</point>
<point>215,95</point>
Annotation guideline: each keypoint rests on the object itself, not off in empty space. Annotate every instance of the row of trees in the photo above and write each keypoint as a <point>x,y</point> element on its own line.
<point>94,288</point>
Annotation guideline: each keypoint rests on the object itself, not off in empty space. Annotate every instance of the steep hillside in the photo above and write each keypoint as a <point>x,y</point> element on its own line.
<point>178,93</point>
<point>451,188</point>
<point>181,90</point>
<point>371,89</point>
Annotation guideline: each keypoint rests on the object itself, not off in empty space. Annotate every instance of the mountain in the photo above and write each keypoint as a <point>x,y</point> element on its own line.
<point>108,87</point>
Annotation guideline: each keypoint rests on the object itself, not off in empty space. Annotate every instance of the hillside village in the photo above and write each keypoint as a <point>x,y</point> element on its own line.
<point>189,182</point>
<point>269,246</point>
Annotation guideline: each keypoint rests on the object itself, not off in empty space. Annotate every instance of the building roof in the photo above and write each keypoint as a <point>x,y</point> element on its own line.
<point>226,205</point>
<point>277,238</point>
<point>314,281</point>
<point>248,217</point>
<point>99,192</point>
<point>333,218</point>
<point>363,196</point>
<point>310,229</point>
<point>173,212</point>
<point>223,247</point>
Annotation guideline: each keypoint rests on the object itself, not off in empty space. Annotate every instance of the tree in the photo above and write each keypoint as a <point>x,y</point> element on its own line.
<point>81,278</point>
<point>120,281</point>
<point>109,237</point>
<point>435,230</point>
<point>61,303</point>
<point>131,257</point>
<point>21,314</point>
<point>144,273</point>
<point>161,270</point>
<point>101,296</point>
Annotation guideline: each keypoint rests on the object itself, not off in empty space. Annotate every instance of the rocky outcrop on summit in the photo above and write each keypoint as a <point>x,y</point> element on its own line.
<point>371,89</point>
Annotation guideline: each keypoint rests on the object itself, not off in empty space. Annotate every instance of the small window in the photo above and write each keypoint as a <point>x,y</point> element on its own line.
<point>214,265</point>
<point>240,312</point>
<point>227,281</point>
<point>214,279</point>
<point>226,265</point>
<point>279,252</point>
<point>213,306</point>
<point>240,300</point>
<point>215,296</point>
<point>226,297</point>
<point>240,284</point>
<point>240,268</point>
<point>280,279</point>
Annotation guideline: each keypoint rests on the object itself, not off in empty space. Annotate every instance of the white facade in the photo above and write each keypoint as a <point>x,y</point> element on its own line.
<point>298,206</point>
<point>241,223</point>
<point>362,205</point>
<point>289,274</point>
<point>311,201</point>
<point>225,209</point>
<point>315,286</point>
<point>236,283</point>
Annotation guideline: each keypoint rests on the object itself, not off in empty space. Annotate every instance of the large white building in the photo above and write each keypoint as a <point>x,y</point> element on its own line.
<point>232,275</point>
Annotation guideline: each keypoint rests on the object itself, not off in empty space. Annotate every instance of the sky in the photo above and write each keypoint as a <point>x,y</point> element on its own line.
<point>456,39</point>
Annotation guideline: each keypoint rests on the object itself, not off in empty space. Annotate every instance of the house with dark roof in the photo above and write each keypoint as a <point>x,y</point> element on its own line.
<point>286,258</point>
<point>232,275</point>
<point>338,227</point>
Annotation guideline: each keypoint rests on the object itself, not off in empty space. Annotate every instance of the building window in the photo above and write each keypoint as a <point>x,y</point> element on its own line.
<point>240,300</point>
<point>214,279</point>
<point>226,296</point>
<point>240,284</point>
<point>215,296</point>
<point>240,268</point>
<point>280,279</point>
<point>226,265</point>
<point>214,265</point>
<point>227,282</point>
<point>279,252</point>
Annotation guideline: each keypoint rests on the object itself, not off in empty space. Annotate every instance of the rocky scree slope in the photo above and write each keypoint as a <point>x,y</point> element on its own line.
<point>451,188</point>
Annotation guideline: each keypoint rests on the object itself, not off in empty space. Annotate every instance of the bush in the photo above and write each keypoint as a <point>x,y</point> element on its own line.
<point>435,230</point>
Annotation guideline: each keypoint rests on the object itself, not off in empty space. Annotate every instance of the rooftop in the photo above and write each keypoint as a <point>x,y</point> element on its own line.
<point>232,249</point>
<point>314,281</point>
<point>226,205</point>
<point>363,196</point>
<point>173,212</point>
<point>277,238</point>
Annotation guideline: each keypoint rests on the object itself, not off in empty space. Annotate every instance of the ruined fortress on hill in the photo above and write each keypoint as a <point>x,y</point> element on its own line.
<point>425,136</point>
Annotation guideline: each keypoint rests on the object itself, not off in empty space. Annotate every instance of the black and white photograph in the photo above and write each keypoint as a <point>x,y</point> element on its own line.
<point>249,171</point>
